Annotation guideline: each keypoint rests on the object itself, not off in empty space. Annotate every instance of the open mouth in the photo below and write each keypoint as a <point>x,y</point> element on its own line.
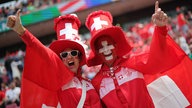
<point>109,57</point>
<point>106,55</point>
<point>71,63</point>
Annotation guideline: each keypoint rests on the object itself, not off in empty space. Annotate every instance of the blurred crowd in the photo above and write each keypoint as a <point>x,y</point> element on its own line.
<point>10,80</point>
<point>26,6</point>
<point>180,29</point>
<point>139,36</point>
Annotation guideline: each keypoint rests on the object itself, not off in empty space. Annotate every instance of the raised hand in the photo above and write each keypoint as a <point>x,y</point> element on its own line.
<point>159,18</point>
<point>14,22</point>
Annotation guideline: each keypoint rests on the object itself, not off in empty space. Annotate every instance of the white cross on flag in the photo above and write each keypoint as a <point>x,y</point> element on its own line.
<point>98,23</point>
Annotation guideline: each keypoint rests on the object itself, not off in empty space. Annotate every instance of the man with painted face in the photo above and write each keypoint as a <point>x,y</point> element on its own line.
<point>120,81</point>
<point>53,74</point>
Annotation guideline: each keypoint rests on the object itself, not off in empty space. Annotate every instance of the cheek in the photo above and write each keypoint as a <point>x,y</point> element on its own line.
<point>77,59</point>
<point>64,61</point>
<point>114,52</point>
<point>102,57</point>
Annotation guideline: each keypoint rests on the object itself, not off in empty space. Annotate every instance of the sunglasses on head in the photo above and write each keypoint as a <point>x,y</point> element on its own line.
<point>73,53</point>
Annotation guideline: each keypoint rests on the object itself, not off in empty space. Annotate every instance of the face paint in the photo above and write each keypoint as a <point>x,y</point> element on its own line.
<point>91,75</point>
<point>106,50</point>
<point>109,57</point>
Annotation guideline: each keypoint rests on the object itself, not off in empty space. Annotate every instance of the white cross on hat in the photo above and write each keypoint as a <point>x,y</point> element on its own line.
<point>98,23</point>
<point>69,32</point>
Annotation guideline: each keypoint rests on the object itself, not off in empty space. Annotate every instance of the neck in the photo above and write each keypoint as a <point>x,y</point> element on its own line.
<point>110,63</point>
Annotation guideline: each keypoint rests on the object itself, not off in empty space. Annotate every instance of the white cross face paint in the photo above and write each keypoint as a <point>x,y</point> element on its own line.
<point>106,50</point>
<point>109,57</point>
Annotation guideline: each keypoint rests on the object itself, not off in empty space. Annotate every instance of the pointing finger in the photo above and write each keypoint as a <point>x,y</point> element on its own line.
<point>156,6</point>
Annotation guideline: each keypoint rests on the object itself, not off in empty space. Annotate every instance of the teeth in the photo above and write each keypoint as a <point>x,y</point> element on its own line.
<point>109,57</point>
<point>108,54</point>
<point>70,63</point>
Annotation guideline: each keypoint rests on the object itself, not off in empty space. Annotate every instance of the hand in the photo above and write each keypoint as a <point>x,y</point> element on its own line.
<point>159,18</point>
<point>14,22</point>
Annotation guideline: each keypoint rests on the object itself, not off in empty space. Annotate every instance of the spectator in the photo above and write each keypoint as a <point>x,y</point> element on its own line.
<point>17,81</point>
<point>190,47</point>
<point>13,94</point>
<point>59,74</point>
<point>30,7</point>
<point>4,87</point>
<point>120,78</point>
<point>2,98</point>
<point>182,22</point>
<point>8,68</point>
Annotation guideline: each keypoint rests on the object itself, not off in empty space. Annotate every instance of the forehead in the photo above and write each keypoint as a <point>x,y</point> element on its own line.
<point>68,49</point>
<point>104,38</point>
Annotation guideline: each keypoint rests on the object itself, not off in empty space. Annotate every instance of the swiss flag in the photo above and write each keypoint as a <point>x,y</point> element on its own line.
<point>173,87</point>
<point>168,72</point>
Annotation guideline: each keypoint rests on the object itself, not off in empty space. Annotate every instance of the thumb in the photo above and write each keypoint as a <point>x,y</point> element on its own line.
<point>18,15</point>
<point>18,25</point>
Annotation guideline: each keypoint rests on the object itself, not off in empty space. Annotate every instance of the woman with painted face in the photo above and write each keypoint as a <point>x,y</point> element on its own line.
<point>52,76</point>
<point>120,81</point>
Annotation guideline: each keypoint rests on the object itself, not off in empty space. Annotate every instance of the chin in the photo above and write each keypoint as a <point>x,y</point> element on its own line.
<point>74,70</point>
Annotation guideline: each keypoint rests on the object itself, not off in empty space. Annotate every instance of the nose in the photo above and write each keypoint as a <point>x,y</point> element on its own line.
<point>69,56</point>
<point>107,51</point>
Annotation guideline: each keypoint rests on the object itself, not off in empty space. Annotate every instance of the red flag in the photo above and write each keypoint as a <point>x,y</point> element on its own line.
<point>168,72</point>
<point>173,87</point>
<point>43,75</point>
<point>35,96</point>
<point>178,87</point>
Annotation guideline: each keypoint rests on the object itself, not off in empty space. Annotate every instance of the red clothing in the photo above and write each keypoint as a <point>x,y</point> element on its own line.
<point>126,86</point>
<point>44,77</point>
<point>2,96</point>
<point>113,89</point>
<point>180,20</point>
<point>70,95</point>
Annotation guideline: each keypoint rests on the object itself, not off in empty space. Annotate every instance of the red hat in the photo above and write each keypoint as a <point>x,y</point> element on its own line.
<point>66,28</point>
<point>99,23</point>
